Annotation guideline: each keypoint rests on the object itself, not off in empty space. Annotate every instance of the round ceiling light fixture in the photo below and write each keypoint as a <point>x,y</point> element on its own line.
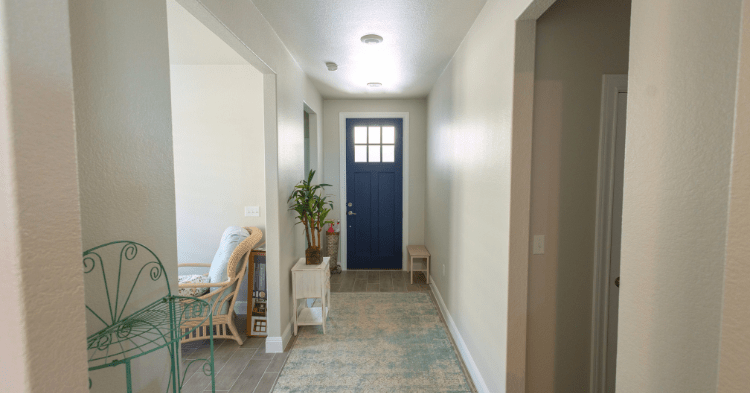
<point>332,66</point>
<point>372,39</point>
<point>374,84</point>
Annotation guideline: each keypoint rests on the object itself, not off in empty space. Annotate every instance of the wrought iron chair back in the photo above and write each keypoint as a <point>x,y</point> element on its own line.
<point>131,311</point>
<point>114,288</point>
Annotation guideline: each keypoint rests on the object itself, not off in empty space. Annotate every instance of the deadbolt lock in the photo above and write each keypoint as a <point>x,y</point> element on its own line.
<point>349,204</point>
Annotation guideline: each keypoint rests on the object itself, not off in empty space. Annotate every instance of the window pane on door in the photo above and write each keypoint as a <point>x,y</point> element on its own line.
<point>360,135</point>
<point>360,153</point>
<point>389,153</point>
<point>374,135</point>
<point>374,153</point>
<point>389,135</point>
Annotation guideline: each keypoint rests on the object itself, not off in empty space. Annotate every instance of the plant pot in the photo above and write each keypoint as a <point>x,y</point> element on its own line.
<point>313,256</point>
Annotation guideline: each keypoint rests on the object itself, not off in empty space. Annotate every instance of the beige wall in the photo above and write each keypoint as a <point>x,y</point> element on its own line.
<point>241,25</point>
<point>124,137</point>
<point>734,358</point>
<point>683,73</point>
<point>468,196</point>
<point>219,160</point>
<point>577,42</point>
<point>125,143</point>
<point>40,241</point>
<point>417,109</point>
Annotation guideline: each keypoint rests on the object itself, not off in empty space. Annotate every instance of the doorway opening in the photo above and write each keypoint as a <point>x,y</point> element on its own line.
<point>374,156</point>
<point>218,135</point>
<point>608,232</point>
<point>397,228</point>
<point>563,51</point>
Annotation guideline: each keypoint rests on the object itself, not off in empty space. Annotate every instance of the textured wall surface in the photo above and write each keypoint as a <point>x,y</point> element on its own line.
<point>681,100</point>
<point>577,42</point>
<point>124,138</point>
<point>417,149</point>
<point>734,361</point>
<point>40,239</point>
<point>284,147</point>
<point>467,215</point>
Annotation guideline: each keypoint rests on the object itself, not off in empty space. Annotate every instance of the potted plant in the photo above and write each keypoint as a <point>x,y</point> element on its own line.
<point>312,208</point>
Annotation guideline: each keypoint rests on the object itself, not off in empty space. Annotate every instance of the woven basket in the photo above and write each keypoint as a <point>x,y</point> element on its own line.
<point>332,249</point>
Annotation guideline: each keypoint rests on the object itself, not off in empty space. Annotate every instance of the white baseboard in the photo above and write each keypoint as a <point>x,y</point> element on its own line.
<point>465,354</point>
<point>277,344</point>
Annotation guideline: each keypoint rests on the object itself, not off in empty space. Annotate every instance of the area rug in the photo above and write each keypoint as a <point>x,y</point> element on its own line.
<point>375,342</point>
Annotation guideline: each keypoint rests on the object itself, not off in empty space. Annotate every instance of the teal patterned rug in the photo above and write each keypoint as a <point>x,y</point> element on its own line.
<point>375,342</point>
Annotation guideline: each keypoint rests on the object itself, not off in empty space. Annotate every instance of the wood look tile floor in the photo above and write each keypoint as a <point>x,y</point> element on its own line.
<point>377,281</point>
<point>248,368</point>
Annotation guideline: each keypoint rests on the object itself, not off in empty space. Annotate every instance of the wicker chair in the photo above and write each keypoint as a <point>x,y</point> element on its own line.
<point>222,299</point>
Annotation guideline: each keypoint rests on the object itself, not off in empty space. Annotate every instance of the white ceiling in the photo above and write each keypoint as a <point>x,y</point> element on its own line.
<point>192,43</point>
<point>419,38</point>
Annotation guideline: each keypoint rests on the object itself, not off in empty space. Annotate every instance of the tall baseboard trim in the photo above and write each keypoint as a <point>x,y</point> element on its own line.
<point>277,344</point>
<point>465,354</point>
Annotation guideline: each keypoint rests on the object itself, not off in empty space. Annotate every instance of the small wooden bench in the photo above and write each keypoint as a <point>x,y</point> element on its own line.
<point>419,252</point>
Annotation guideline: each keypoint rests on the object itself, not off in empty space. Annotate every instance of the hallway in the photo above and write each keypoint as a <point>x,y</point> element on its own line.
<point>88,148</point>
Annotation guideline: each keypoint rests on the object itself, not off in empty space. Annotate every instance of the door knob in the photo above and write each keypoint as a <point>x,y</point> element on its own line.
<point>351,213</point>
<point>617,282</point>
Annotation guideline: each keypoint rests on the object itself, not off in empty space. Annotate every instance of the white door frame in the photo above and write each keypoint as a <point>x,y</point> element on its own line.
<point>612,86</point>
<point>342,176</point>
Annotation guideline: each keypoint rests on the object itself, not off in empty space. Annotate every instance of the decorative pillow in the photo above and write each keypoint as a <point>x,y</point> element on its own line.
<point>231,238</point>
<point>192,279</point>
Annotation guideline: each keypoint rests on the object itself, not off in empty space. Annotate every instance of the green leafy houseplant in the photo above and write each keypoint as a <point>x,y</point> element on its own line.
<point>312,208</point>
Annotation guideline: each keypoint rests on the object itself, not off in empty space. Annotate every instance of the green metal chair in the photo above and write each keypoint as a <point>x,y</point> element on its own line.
<point>120,277</point>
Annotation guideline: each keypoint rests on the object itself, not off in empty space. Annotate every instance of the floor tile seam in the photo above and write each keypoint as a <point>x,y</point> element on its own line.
<point>243,369</point>
<point>197,371</point>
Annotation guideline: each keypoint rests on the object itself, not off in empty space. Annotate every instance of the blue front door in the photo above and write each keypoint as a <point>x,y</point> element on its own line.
<point>374,193</point>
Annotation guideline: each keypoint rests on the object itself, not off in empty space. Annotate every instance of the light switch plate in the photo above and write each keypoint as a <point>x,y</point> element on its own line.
<point>252,211</point>
<point>538,244</point>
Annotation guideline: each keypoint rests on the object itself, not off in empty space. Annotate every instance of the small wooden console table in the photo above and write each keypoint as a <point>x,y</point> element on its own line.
<point>419,252</point>
<point>311,282</point>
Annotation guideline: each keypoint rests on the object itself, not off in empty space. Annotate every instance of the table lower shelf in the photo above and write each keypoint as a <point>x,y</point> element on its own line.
<point>311,316</point>
<point>419,266</point>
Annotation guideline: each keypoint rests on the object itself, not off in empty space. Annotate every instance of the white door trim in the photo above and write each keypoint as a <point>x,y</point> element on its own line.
<point>612,85</point>
<point>342,176</point>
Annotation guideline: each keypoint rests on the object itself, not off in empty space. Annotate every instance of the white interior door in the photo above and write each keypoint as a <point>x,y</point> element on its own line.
<point>614,268</point>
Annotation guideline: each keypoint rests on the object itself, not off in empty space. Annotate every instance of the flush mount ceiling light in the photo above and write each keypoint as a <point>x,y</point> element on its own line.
<point>332,66</point>
<point>372,39</point>
<point>374,84</point>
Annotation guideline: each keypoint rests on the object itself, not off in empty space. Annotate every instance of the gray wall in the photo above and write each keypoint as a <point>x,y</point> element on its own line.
<point>734,361</point>
<point>468,194</point>
<point>124,137</point>
<point>678,154</point>
<point>40,233</point>
<point>577,41</point>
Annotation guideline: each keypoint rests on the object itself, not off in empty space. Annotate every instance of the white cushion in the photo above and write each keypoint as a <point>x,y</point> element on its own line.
<point>192,279</point>
<point>231,238</point>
